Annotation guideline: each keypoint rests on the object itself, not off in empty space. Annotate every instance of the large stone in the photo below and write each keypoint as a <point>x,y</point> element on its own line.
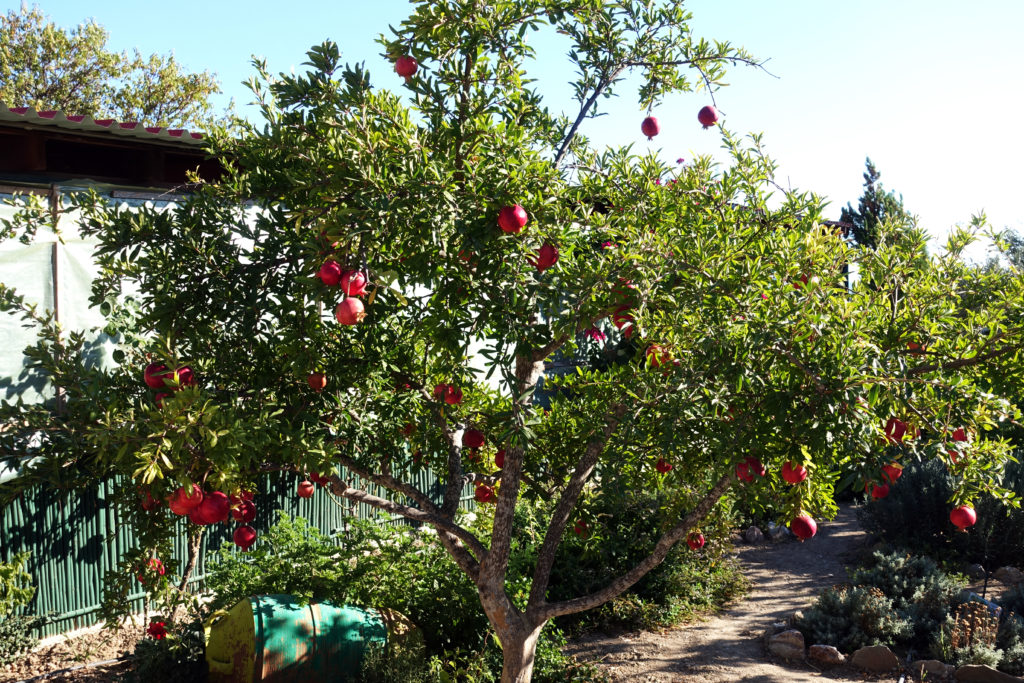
<point>1011,576</point>
<point>826,655</point>
<point>979,673</point>
<point>932,670</point>
<point>777,532</point>
<point>788,644</point>
<point>753,535</point>
<point>976,572</point>
<point>875,658</point>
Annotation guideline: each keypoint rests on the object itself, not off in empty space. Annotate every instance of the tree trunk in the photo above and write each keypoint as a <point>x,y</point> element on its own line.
<point>518,649</point>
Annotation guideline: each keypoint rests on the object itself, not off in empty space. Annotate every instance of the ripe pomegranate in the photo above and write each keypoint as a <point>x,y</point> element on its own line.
<point>305,489</point>
<point>449,393</point>
<point>472,438</point>
<point>546,257</point>
<point>793,473</point>
<point>154,565</point>
<point>148,503</point>
<point>803,526</point>
<point>892,472</point>
<point>708,116</point>
<point>244,537</point>
<point>183,502</point>
<point>963,517</point>
<point>743,472</point>
<point>749,467</point>
<point>499,458</point>
<point>895,430</point>
<point>350,312</point>
<point>330,273</point>
<point>408,429</point>
<point>695,541</point>
<point>511,219</point>
<point>247,495</point>
<point>657,356</point>
<point>959,434</point>
<point>915,348</point>
<point>484,493</point>
<point>159,399</point>
<point>580,528</point>
<point>184,377</point>
<point>650,127</point>
<point>877,491</point>
<point>663,466</point>
<point>406,66</point>
<point>155,374</point>
<point>245,511</point>
<point>353,283</point>
<point>215,508</point>
<point>622,317</point>
<point>317,381</point>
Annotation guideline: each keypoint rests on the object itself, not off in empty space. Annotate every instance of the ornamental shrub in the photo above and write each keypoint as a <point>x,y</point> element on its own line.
<point>854,617</point>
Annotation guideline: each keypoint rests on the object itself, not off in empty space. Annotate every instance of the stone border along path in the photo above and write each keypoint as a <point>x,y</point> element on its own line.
<point>728,647</point>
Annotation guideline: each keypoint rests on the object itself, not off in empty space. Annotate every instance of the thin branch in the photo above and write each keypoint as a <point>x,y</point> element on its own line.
<point>571,493</point>
<point>624,582</point>
<point>963,362</point>
<point>584,112</point>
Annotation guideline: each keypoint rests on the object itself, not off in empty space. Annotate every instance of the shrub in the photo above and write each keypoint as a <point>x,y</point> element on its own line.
<point>176,656</point>
<point>17,636</point>
<point>1010,639</point>
<point>1013,599</point>
<point>853,617</point>
<point>16,591</point>
<point>968,637</point>
<point>920,591</point>
<point>915,515</point>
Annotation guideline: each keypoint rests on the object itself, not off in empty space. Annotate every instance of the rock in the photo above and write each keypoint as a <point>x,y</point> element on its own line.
<point>825,655</point>
<point>932,670</point>
<point>788,644</point>
<point>875,658</point>
<point>753,535</point>
<point>976,572</point>
<point>1011,576</point>
<point>979,673</point>
<point>777,532</point>
<point>797,617</point>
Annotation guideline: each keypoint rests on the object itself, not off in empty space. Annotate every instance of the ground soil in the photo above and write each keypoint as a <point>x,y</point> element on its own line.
<point>75,658</point>
<point>728,647</point>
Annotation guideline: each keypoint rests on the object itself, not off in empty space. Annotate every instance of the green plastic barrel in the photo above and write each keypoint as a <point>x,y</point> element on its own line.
<point>274,639</point>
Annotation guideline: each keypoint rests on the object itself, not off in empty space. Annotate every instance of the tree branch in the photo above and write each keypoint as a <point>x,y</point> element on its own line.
<point>618,586</point>
<point>571,493</point>
<point>584,112</point>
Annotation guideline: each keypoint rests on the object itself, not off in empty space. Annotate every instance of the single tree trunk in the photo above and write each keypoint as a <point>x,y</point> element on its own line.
<point>518,649</point>
<point>195,540</point>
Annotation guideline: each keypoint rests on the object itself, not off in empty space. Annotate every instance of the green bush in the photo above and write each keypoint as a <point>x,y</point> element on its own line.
<point>178,656</point>
<point>920,592</point>
<point>915,515</point>
<point>621,535</point>
<point>1011,640</point>
<point>1013,599</point>
<point>17,632</point>
<point>853,617</point>
<point>17,636</point>
<point>968,637</point>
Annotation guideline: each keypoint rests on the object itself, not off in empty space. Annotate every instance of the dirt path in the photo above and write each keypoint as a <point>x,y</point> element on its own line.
<point>727,647</point>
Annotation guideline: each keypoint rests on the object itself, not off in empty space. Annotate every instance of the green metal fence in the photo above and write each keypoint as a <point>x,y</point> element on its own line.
<point>74,541</point>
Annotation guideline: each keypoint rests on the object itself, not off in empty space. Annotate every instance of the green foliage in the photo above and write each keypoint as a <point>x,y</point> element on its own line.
<point>1013,599</point>
<point>1010,639</point>
<point>17,635</point>
<point>920,592</point>
<point>853,617</point>
<point>16,588</point>
<point>875,208</point>
<point>50,68</point>
<point>915,515</point>
<point>179,656</point>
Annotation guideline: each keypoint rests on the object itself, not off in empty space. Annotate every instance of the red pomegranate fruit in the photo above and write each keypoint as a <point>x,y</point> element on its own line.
<point>330,273</point>
<point>244,537</point>
<point>963,517</point>
<point>317,381</point>
<point>546,257</point>
<point>305,489</point>
<point>350,312</point>
<point>448,393</point>
<point>484,494</point>
<point>215,508</point>
<point>185,501</point>
<point>245,512</point>
<point>877,491</point>
<point>891,472</point>
<point>650,127</point>
<point>663,466</point>
<point>803,527</point>
<point>708,116</point>
<point>793,473</point>
<point>580,528</point>
<point>499,458</point>
<point>406,66</point>
<point>511,219</point>
<point>695,541</point>
<point>472,438</point>
<point>895,430</point>
<point>353,283</point>
<point>155,374</point>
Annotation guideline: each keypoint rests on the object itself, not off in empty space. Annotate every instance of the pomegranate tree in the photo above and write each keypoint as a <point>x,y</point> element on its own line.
<point>667,350</point>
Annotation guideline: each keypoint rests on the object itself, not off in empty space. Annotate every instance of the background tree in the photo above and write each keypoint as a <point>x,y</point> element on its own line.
<point>742,345</point>
<point>50,68</point>
<point>874,208</point>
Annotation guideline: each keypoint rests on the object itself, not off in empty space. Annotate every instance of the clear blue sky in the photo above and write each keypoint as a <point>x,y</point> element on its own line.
<point>931,91</point>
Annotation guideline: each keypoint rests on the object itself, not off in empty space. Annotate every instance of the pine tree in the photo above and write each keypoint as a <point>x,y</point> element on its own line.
<point>876,206</point>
